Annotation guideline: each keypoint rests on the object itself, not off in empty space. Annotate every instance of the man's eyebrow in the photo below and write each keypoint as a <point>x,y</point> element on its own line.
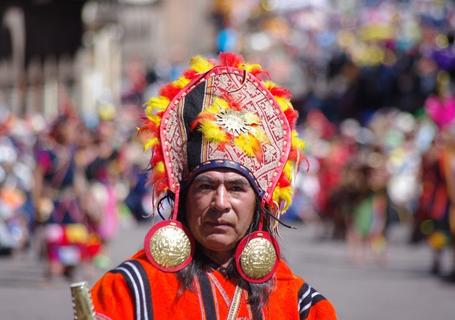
<point>233,181</point>
<point>238,181</point>
<point>202,178</point>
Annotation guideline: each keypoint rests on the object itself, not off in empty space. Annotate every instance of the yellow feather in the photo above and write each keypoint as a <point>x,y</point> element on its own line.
<point>250,66</point>
<point>154,118</point>
<point>285,195</point>
<point>268,84</point>
<point>288,169</point>
<point>251,118</point>
<point>276,194</point>
<point>156,104</point>
<point>260,135</point>
<point>200,64</point>
<point>159,167</point>
<point>212,132</point>
<point>181,82</point>
<point>283,103</point>
<point>245,145</point>
<point>219,103</point>
<point>151,143</point>
<point>296,141</point>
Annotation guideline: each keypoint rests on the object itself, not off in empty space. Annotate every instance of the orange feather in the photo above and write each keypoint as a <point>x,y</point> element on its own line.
<point>201,117</point>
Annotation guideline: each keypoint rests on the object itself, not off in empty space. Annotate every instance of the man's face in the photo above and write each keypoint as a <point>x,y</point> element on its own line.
<point>220,205</point>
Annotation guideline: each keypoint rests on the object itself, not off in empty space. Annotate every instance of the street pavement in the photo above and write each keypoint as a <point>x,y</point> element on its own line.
<point>399,289</point>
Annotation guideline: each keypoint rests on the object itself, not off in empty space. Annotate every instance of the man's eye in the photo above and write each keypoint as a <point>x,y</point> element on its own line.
<point>205,186</point>
<point>237,188</point>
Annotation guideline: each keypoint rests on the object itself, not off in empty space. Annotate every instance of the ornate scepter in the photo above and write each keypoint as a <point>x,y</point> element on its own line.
<point>82,302</point>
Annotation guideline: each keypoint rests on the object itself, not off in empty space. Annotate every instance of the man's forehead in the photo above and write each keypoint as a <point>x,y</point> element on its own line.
<point>221,175</point>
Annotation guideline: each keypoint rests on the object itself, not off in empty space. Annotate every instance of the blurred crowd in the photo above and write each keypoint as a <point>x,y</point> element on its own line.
<point>66,187</point>
<point>374,83</point>
<point>376,95</point>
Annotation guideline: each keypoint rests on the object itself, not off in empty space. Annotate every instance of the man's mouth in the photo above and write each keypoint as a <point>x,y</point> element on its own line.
<point>219,224</point>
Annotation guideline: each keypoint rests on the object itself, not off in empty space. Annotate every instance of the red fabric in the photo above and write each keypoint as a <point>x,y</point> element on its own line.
<point>322,310</point>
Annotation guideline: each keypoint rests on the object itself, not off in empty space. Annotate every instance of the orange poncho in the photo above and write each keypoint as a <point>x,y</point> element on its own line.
<point>115,297</point>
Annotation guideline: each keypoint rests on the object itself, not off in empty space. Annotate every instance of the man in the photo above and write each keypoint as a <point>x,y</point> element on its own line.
<point>224,153</point>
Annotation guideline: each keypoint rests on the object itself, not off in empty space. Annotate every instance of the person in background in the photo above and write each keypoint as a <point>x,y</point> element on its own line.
<point>57,194</point>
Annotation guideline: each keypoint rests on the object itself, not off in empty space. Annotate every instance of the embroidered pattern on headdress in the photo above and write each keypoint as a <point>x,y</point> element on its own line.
<point>229,124</point>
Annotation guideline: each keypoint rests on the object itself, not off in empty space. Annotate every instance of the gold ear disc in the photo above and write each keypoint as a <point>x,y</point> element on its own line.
<point>170,246</point>
<point>258,258</point>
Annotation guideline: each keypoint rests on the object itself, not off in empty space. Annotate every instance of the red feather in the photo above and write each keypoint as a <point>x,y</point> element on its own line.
<point>293,154</point>
<point>169,91</point>
<point>291,115</point>
<point>280,92</point>
<point>157,157</point>
<point>161,185</point>
<point>149,126</point>
<point>261,74</point>
<point>230,59</point>
<point>232,103</point>
<point>190,74</point>
<point>157,176</point>
<point>283,181</point>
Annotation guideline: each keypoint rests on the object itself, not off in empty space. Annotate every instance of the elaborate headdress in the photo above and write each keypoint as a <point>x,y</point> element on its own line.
<point>220,115</point>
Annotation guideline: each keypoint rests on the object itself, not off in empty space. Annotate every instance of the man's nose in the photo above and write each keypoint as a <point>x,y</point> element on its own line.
<point>221,199</point>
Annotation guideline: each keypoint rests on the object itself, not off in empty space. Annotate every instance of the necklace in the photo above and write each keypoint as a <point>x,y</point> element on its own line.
<point>234,307</point>
<point>235,303</point>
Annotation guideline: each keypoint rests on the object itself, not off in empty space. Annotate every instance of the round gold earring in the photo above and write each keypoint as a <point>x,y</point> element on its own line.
<point>257,256</point>
<point>168,246</point>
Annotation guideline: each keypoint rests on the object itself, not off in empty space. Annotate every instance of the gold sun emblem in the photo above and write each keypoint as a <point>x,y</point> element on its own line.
<point>232,122</point>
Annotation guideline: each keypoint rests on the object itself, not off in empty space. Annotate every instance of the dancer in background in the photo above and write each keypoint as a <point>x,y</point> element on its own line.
<point>66,239</point>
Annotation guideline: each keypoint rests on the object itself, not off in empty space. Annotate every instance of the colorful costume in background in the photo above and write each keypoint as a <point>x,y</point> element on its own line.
<point>68,240</point>
<point>434,211</point>
<point>218,115</point>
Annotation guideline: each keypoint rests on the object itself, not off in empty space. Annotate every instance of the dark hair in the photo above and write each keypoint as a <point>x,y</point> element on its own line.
<point>258,293</point>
